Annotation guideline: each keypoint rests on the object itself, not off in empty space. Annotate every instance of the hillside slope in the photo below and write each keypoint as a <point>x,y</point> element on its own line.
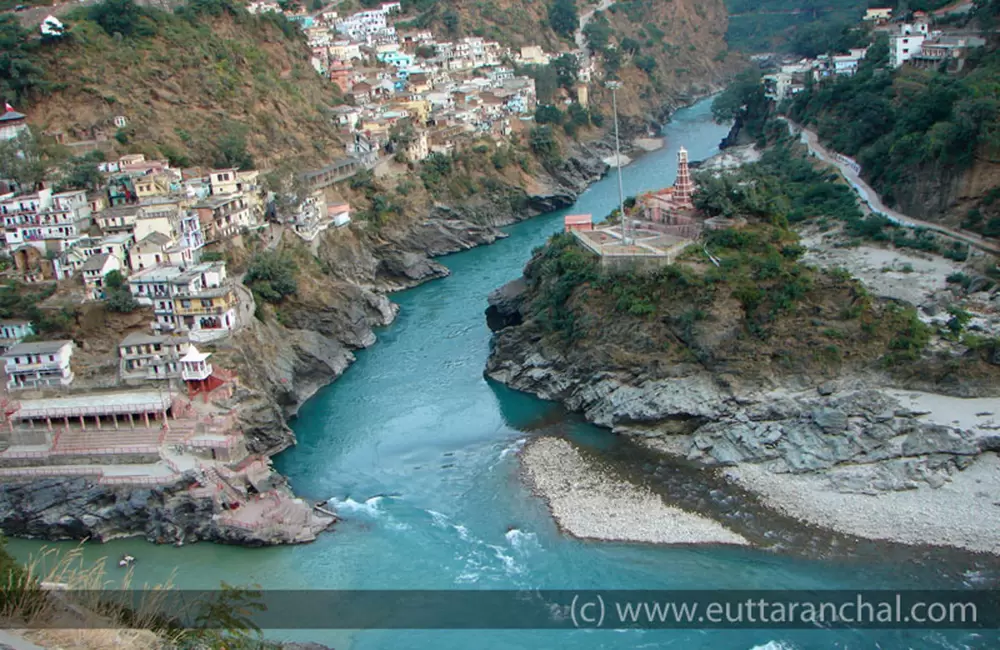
<point>193,87</point>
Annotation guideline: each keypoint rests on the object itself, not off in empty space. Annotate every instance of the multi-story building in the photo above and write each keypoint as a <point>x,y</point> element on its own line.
<point>118,219</point>
<point>223,181</point>
<point>94,271</point>
<point>150,251</point>
<point>116,245</point>
<point>358,26</point>
<point>223,216</point>
<point>150,185</point>
<point>153,286</point>
<point>151,356</point>
<point>907,42</point>
<point>310,217</point>
<point>37,365</point>
<point>191,237</point>
<point>13,331</point>
<point>207,314</point>
<point>45,220</point>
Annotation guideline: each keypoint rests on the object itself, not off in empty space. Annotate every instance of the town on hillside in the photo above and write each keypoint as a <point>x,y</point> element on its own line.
<point>911,42</point>
<point>148,234</point>
<point>159,408</point>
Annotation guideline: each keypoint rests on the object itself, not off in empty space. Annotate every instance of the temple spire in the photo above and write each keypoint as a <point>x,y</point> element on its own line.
<point>683,187</point>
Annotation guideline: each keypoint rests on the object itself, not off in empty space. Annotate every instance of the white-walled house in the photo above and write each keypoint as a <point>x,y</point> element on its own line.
<point>907,42</point>
<point>151,251</point>
<point>151,356</point>
<point>36,365</point>
<point>13,331</point>
<point>94,270</point>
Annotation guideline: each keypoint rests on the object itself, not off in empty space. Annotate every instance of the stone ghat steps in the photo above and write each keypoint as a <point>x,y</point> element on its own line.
<point>76,439</point>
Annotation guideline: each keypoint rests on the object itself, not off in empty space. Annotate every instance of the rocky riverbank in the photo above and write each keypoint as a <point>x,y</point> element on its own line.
<point>79,508</point>
<point>855,446</point>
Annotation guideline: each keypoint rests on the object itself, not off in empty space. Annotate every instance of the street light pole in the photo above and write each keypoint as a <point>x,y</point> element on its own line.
<point>614,86</point>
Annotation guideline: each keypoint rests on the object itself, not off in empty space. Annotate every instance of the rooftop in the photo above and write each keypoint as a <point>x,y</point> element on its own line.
<point>142,338</point>
<point>96,262</point>
<point>38,347</point>
<point>94,403</point>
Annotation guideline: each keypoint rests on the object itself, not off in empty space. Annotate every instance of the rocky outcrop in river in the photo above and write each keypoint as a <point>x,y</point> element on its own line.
<point>80,508</point>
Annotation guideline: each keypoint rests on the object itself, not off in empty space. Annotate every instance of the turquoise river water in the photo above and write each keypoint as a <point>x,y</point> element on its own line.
<point>417,451</point>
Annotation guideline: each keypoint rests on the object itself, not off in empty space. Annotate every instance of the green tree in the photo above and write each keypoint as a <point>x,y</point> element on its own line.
<point>117,297</point>
<point>547,114</point>
<point>123,17</point>
<point>544,144</point>
<point>563,17</point>
<point>646,63</point>
<point>22,160</point>
<point>271,276</point>
<point>82,175</point>
<point>20,74</point>
<point>451,21</point>
<point>231,147</point>
<point>730,103</point>
<point>567,70</point>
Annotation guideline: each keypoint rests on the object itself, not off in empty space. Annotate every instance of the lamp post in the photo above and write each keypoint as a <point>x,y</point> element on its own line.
<point>614,86</point>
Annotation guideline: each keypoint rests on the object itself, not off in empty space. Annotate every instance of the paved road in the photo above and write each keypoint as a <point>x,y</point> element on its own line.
<point>871,198</point>
<point>581,40</point>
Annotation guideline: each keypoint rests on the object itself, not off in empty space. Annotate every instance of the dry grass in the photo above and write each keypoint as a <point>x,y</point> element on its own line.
<point>58,597</point>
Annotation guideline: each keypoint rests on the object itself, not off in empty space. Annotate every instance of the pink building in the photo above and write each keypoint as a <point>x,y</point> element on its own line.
<point>578,222</point>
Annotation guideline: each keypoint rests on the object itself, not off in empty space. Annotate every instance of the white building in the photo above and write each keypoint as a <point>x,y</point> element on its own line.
<point>907,43</point>
<point>362,24</point>
<point>45,220</point>
<point>339,214</point>
<point>151,251</point>
<point>12,123</point>
<point>94,270</point>
<point>36,365</point>
<point>195,365</point>
<point>151,356</point>
<point>13,331</point>
<point>847,64</point>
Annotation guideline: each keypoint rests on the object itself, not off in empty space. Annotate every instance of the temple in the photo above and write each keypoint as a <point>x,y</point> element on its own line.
<point>671,210</point>
<point>660,227</point>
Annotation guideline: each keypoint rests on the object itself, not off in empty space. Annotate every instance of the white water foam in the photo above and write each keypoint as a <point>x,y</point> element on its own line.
<point>370,506</point>
<point>514,448</point>
<point>521,541</point>
<point>774,645</point>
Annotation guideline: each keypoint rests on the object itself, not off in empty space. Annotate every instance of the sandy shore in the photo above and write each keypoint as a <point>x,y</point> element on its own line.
<point>589,503</point>
<point>648,144</point>
<point>612,162</point>
<point>963,513</point>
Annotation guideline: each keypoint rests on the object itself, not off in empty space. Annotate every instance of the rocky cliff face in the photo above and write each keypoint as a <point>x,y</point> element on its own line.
<point>79,508</point>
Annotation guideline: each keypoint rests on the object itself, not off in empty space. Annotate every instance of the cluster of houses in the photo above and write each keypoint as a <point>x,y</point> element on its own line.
<point>449,91</point>
<point>911,42</point>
